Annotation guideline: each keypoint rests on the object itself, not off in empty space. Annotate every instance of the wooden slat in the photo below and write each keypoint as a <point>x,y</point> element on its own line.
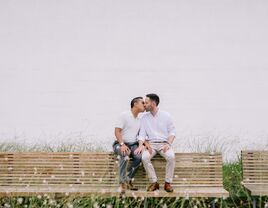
<point>178,192</point>
<point>257,189</point>
<point>255,171</point>
<point>47,172</point>
<point>255,166</point>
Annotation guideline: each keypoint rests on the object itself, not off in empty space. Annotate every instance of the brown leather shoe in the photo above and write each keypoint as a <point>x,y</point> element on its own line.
<point>153,187</point>
<point>130,186</point>
<point>122,188</point>
<point>168,187</point>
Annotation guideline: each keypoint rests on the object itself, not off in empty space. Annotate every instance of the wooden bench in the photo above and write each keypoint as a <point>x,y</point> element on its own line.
<point>79,173</point>
<point>255,173</point>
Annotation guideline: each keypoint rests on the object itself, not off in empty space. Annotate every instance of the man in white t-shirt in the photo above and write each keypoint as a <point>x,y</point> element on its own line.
<point>126,132</point>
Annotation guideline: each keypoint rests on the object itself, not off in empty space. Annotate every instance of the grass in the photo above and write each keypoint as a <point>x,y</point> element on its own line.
<point>232,177</point>
<point>78,146</point>
<point>46,202</point>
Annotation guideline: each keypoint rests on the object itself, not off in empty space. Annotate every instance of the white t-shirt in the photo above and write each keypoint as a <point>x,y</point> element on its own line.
<point>130,126</point>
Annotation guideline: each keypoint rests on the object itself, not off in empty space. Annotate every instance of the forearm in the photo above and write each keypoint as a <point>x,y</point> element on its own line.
<point>171,139</point>
<point>146,144</point>
<point>140,143</point>
<point>118,135</point>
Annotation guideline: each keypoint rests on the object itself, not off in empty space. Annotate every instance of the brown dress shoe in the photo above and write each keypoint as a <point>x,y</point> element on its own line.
<point>168,187</point>
<point>122,188</point>
<point>130,186</point>
<point>153,187</point>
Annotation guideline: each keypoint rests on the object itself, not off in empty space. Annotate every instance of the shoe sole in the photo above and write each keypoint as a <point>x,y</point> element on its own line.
<point>153,190</point>
<point>169,190</point>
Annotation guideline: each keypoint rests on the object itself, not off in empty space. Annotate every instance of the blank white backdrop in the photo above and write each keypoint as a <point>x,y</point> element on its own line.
<point>71,67</point>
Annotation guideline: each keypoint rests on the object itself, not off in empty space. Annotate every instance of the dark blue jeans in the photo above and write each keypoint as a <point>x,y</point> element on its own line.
<point>127,174</point>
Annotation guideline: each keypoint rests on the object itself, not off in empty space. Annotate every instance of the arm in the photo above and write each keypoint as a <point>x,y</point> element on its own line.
<point>171,131</point>
<point>171,139</point>
<point>148,147</point>
<point>142,133</point>
<point>171,134</point>
<point>140,148</point>
<point>118,135</point>
<point>123,148</point>
<point>141,139</point>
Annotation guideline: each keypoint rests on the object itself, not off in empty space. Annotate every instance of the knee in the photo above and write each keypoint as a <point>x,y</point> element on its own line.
<point>145,156</point>
<point>137,157</point>
<point>125,155</point>
<point>170,157</point>
<point>121,154</point>
<point>117,150</point>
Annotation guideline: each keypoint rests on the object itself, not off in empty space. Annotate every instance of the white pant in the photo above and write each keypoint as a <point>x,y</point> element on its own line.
<point>168,155</point>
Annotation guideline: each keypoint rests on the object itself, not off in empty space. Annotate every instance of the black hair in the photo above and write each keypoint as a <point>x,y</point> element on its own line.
<point>154,97</point>
<point>135,100</point>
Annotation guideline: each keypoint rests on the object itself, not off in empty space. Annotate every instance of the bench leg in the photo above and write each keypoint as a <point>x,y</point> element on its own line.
<point>213,203</point>
<point>254,201</point>
<point>145,202</point>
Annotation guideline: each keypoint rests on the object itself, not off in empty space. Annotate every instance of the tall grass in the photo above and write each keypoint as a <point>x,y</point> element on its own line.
<point>77,146</point>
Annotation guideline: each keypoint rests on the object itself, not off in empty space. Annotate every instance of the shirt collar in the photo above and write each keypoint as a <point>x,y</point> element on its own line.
<point>157,112</point>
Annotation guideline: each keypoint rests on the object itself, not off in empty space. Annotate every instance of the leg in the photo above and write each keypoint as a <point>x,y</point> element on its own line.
<point>170,166</point>
<point>136,159</point>
<point>148,166</point>
<point>123,161</point>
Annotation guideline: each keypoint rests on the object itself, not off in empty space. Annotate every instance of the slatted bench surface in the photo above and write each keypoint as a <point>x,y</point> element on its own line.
<point>57,172</point>
<point>255,171</point>
<point>196,174</point>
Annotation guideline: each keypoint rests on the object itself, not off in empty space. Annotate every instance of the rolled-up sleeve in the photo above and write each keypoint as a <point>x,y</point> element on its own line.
<point>120,122</point>
<point>171,127</point>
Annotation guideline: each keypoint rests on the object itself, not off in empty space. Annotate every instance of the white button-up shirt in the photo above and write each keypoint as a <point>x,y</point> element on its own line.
<point>156,128</point>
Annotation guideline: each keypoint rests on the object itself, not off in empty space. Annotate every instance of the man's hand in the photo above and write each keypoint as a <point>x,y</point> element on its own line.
<point>148,147</point>
<point>139,150</point>
<point>124,149</point>
<point>166,147</point>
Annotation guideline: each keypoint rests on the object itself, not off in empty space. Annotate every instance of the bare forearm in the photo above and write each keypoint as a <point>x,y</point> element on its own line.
<point>171,139</point>
<point>140,143</point>
<point>118,135</point>
<point>146,144</point>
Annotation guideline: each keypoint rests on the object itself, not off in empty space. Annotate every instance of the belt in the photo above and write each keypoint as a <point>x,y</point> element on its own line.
<point>157,141</point>
<point>127,143</point>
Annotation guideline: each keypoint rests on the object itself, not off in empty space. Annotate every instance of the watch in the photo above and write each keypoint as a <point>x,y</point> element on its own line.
<point>121,143</point>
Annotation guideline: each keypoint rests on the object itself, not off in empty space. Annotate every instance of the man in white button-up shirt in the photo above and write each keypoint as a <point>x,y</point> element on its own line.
<point>157,133</point>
